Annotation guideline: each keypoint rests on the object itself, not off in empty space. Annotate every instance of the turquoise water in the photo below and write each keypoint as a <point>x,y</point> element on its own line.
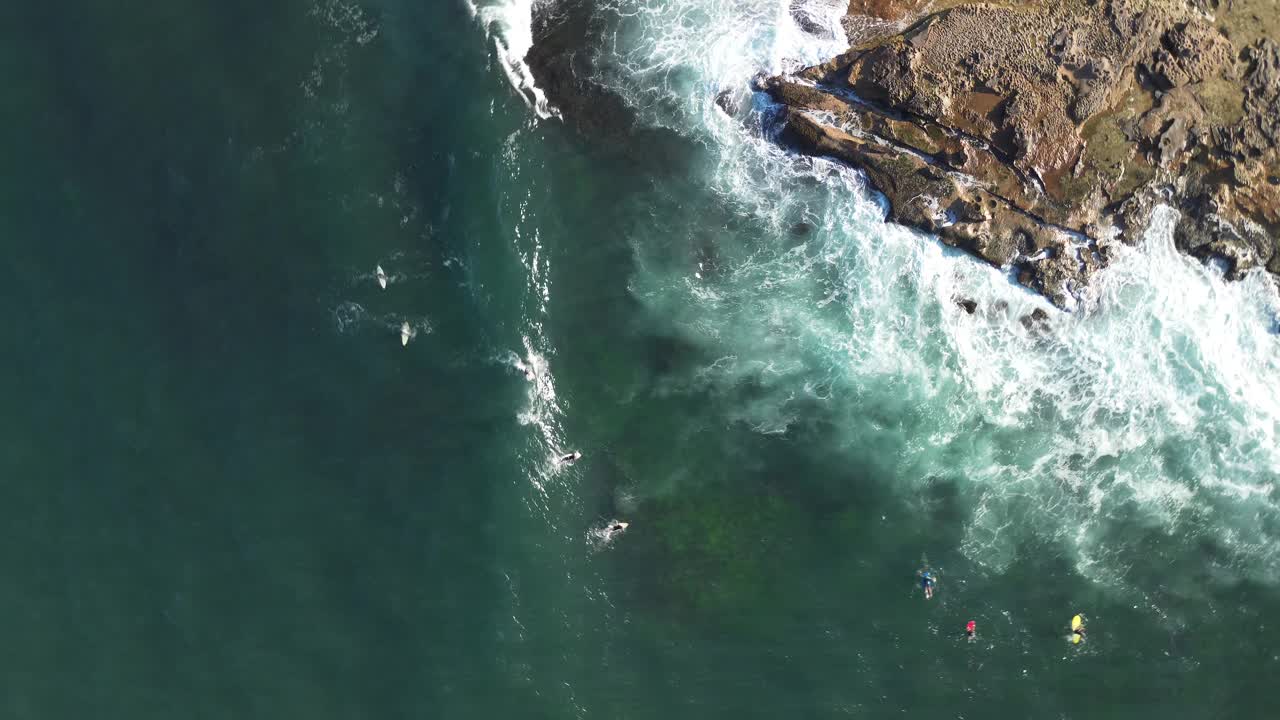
<point>229,490</point>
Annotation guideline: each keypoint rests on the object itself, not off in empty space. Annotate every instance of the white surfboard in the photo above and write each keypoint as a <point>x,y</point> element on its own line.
<point>382,277</point>
<point>406,332</point>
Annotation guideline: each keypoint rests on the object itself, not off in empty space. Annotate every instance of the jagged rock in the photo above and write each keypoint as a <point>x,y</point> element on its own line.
<point>1023,132</point>
<point>567,37</point>
<point>1037,321</point>
<point>1188,53</point>
<point>869,20</point>
<point>728,101</point>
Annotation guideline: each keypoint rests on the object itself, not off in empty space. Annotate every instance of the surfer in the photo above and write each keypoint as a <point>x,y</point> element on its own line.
<point>570,458</point>
<point>927,581</point>
<point>602,536</point>
<point>382,277</point>
<point>1077,630</point>
<point>971,630</point>
<point>526,369</point>
<point>406,332</point>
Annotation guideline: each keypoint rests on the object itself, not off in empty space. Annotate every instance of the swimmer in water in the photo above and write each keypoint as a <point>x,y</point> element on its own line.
<point>971,630</point>
<point>602,536</point>
<point>927,581</point>
<point>526,369</point>
<point>570,458</point>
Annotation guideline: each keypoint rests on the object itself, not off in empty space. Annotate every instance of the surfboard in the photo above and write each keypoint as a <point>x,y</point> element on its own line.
<point>406,332</point>
<point>382,277</point>
<point>1076,622</point>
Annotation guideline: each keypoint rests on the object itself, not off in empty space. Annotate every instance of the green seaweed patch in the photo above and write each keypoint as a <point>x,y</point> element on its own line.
<point>1108,158</point>
<point>1223,101</point>
<point>721,550</point>
<point>912,135</point>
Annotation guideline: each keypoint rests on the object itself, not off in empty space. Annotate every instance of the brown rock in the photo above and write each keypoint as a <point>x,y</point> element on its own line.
<point>1036,321</point>
<point>1022,132</point>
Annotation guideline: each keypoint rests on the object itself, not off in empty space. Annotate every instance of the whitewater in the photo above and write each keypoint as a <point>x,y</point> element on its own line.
<point>1150,411</point>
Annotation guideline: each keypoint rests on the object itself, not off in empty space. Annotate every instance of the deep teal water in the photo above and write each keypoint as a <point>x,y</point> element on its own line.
<point>227,490</point>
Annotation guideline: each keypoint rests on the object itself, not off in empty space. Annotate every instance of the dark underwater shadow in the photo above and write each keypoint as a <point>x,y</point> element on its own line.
<point>567,37</point>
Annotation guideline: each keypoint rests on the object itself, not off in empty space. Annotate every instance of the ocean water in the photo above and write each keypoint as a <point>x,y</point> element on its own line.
<point>230,491</point>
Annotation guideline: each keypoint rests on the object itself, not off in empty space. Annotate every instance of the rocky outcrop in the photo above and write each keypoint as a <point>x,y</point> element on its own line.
<point>567,37</point>
<point>1035,134</point>
<point>561,61</point>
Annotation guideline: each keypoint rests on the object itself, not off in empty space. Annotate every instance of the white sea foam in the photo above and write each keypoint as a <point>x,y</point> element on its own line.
<point>603,535</point>
<point>542,409</point>
<point>672,57</point>
<point>353,29</point>
<point>1152,409</point>
<point>542,412</point>
<point>509,23</point>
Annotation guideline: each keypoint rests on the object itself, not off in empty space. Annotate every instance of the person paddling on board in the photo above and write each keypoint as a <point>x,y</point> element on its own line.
<point>526,369</point>
<point>971,630</point>
<point>927,581</point>
<point>1077,629</point>
<point>570,458</point>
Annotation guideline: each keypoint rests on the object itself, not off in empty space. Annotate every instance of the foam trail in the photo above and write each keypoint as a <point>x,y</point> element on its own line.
<point>542,412</point>
<point>510,24</point>
<point>542,409</point>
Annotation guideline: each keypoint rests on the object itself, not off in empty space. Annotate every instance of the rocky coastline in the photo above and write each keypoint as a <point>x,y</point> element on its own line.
<point>1033,134</point>
<point>1037,134</point>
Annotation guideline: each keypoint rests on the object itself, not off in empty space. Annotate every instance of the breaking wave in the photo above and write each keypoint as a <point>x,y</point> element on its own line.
<point>509,23</point>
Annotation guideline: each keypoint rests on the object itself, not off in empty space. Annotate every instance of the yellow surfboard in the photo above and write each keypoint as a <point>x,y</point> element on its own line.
<point>1076,622</point>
